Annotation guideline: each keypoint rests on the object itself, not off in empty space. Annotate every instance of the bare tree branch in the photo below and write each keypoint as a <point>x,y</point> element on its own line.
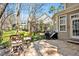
<point>3,20</point>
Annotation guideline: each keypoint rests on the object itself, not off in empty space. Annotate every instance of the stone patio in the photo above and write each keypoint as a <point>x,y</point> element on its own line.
<point>46,48</point>
<point>41,48</point>
<point>65,48</point>
<point>38,48</point>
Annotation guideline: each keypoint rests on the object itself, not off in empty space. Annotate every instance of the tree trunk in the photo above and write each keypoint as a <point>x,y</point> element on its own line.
<point>17,16</point>
<point>3,10</point>
<point>1,13</point>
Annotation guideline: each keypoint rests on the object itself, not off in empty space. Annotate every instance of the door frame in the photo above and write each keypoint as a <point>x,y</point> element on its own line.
<point>71,29</point>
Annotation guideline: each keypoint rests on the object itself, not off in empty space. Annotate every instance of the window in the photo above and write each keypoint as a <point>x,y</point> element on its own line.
<point>75,16</point>
<point>63,25</point>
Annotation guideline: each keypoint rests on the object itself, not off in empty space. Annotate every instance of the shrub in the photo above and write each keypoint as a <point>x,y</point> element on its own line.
<point>27,34</point>
<point>42,36</point>
<point>1,33</point>
<point>24,29</point>
<point>37,37</point>
<point>6,44</point>
<point>1,39</point>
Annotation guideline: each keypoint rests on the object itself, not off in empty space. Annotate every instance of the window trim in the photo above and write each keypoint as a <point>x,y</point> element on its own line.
<point>63,24</point>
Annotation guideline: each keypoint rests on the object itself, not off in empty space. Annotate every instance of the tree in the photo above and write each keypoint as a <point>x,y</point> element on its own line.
<point>4,18</point>
<point>53,8</point>
<point>33,11</point>
<point>2,9</point>
<point>41,25</point>
<point>17,16</point>
<point>56,9</point>
<point>60,7</point>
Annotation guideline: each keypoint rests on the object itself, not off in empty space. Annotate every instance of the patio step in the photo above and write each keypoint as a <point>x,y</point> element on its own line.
<point>73,41</point>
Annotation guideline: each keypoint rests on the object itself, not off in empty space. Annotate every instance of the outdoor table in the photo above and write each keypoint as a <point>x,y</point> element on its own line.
<point>15,40</point>
<point>16,43</point>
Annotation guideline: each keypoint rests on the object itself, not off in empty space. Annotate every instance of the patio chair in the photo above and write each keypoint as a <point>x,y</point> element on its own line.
<point>16,44</point>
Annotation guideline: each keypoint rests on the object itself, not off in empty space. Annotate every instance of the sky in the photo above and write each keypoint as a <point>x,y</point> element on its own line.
<point>24,9</point>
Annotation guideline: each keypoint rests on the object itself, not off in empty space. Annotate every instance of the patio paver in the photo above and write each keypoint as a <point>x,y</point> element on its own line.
<point>65,48</point>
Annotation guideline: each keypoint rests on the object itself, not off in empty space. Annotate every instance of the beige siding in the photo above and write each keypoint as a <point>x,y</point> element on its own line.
<point>54,20</point>
<point>68,5</point>
<point>71,8</point>
<point>67,35</point>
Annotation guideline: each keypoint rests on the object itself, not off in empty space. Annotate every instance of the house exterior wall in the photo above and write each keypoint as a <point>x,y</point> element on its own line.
<point>67,35</point>
<point>71,8</point>
<point>68,5</point>
<point>69,22</point>
<point>64,35</point>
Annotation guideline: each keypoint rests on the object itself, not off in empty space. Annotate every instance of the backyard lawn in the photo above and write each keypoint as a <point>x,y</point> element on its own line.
<point>6,36</point>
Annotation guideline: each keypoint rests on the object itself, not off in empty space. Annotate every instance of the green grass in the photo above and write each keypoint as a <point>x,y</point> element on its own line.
<point>6,36</point>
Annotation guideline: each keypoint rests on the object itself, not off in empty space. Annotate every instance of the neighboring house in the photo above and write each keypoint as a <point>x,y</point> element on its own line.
<point>67,22</point>
<point>31,24</point>
<point>47,22</point>
<point>34,25</point>
<point>23,26</point>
